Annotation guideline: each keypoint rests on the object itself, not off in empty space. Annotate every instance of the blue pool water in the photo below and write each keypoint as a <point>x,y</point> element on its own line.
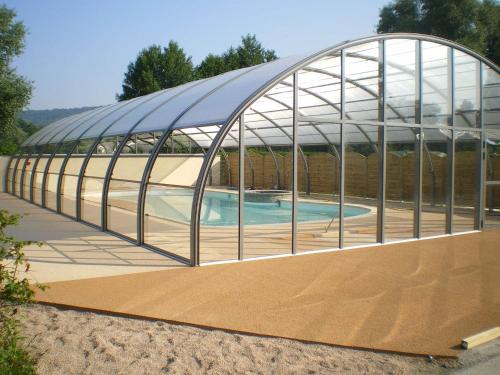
<point>221,209</point>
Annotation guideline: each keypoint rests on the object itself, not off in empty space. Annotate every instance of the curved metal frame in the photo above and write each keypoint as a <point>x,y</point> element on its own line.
<point>204,172</point>
<point>200,187</point>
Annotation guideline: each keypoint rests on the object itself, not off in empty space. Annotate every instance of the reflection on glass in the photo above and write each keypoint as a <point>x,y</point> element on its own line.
<point>437,143</point>
<point>491,98</point>
<point>466,90</point>
<point>169,195</point>
<point>363,78</point>
<point>400,80</point>
<point>467,147</point>
<point>436,95</point>
<point>492,191</point>
<point>361,184</point>
<point>400,183</point>
<point>219,212</point>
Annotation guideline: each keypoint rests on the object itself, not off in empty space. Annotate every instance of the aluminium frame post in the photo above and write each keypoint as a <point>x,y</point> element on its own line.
<point>342,149</point>
<point>450,186</point>
<point>419,159</point>
<point>295,148</point>
<point>382,138</point>
<point>241,188</point>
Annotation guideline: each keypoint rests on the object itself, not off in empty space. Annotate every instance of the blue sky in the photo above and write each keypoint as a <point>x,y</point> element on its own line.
<point>77,51</point>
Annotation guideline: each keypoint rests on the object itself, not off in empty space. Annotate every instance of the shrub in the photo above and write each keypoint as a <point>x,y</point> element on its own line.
<point>14,291</point>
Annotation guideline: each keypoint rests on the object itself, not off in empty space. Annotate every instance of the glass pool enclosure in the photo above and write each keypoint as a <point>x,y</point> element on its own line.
<point>382,139</point>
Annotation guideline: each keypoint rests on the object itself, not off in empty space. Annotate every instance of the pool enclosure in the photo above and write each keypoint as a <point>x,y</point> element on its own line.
<point>388,138</point>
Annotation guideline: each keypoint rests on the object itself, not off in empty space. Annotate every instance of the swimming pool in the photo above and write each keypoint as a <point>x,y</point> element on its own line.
<point>221,209</point>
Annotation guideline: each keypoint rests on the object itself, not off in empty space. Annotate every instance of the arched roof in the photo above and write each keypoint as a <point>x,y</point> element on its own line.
<point>214,101</point>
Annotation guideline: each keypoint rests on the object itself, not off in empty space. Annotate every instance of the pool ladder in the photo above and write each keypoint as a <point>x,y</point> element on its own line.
<point>329,224</point>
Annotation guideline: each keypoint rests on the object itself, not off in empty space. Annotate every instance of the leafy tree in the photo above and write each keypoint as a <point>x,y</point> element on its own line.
<point>156,68</point>
<point>15,90</point>
<point>249,53</point>
<point>211,66</point>
<point>473,23</point>
<point>489,19</point>
<point>11,141</point>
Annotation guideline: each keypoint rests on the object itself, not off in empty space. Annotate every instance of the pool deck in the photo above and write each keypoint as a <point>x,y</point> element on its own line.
<point>417,297</point>
<point>72,250</point>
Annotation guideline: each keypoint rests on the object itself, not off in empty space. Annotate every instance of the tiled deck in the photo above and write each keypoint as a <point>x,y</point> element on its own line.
<point>72,250</point>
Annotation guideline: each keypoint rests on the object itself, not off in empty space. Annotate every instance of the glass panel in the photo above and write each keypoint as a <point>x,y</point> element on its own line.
<point>169,112</point>
<point>19,171</point>
<point>169,195</point>
<point>466,90</point>
<point>219,214</point>
<point>492,199</point>
<point>70,177</point>
<point>361,184</point>
<point>93,180</point>
<point>491,98</point>
<point>268,182</point>
<point>318,186</point>
<point>37,182</point>
<point>222,102</point>
<point>52,179</point>
<point>467,147</point>
<point>91,199</point>
<point>437,143</point>
<point>400,80</point>
<point>319,88</point>
<point>10,173</point>
<point>28,169</point>
<point>435,84</point>
<point>125,183</point>
<point>362,82</point>
<point>400,183</point>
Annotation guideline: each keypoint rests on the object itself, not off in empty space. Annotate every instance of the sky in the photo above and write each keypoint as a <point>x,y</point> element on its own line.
<point>77,51</point>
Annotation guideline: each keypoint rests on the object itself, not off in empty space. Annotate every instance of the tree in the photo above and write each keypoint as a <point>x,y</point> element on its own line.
<point>156,68</point>
<point>489,19</point>
<point>15,90</point>
<point>9,143</point>
<point>472,23</point>
<point>249,53</point>
<point>211,66</point>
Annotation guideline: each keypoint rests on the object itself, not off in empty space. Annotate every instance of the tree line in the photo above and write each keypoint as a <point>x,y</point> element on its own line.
<point>157,68</point>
